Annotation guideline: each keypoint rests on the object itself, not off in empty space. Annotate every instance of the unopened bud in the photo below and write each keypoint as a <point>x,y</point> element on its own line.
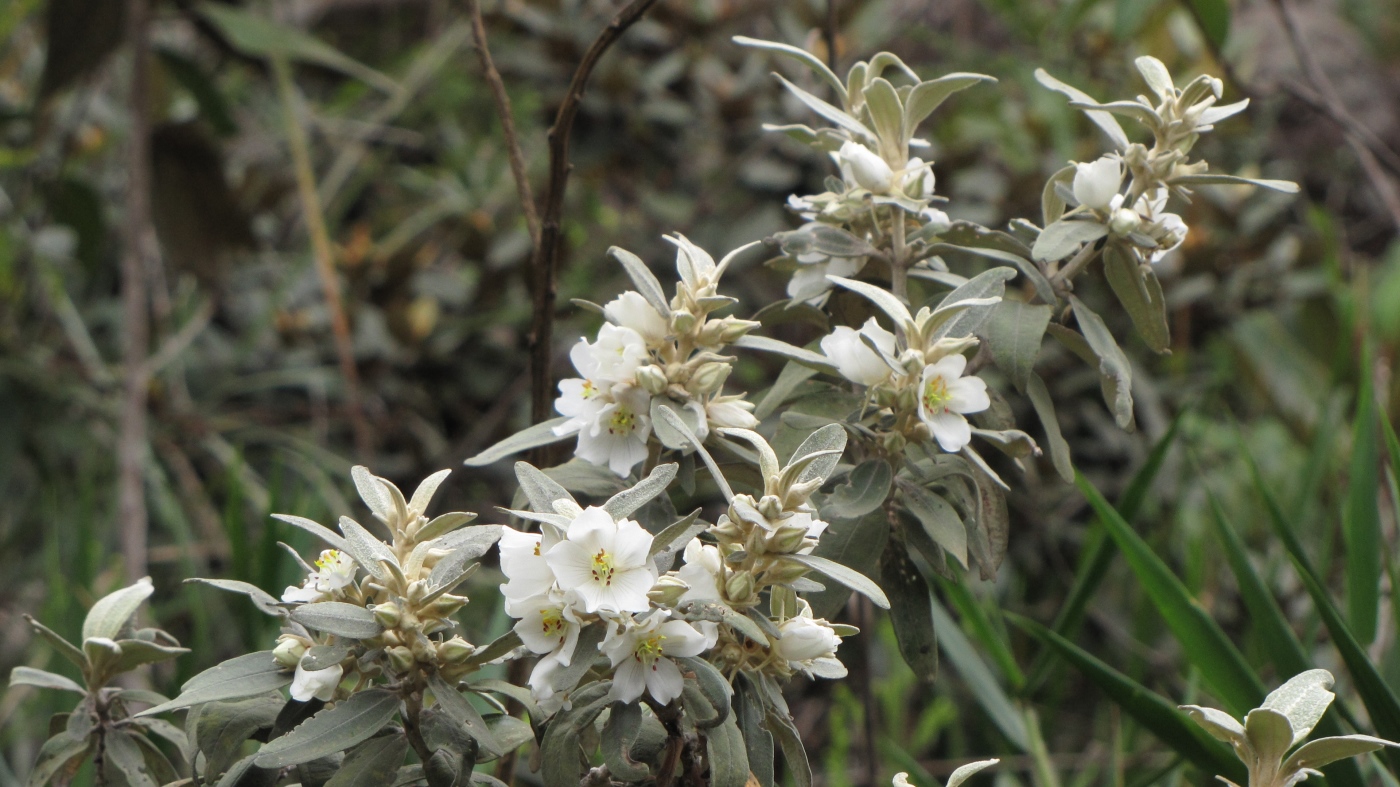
<point>735,329</point>
<point>725,531</point>
<point>739,586</point>
<point>1123,221</point>
<point>290,648</point>
<point>682,321</point>
<point>387,614</point>
<point>785,571</point>
<point>907,399</point>
<point>913,361</point>
<point>455,651</point>
<point>787,539</point>
<point>400,658</point>
<point>711,334</point>
<point>771,507</point>
<point>709,378</point>
<point>447,605</point>
<point>1135,156</point>
<point>424,651</point>
<point>416,591</point>
<point>893,443</point>
<point>667,591</point>
<point>652,378</point>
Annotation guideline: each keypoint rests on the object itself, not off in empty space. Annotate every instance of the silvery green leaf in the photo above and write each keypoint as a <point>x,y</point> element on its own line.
<point>673,539</point>
<point>367,550</point>
<point>585,651</point>
<point>333,730</point>
<point>123,753</point>
<point>713,686</point>
<point>222,728</point>
<point>980,290</point>
<point>670,437</point>
<point>540,489</point>
<point>1303,699</point>
<point>1133,109</point>
<point>1052,205</point>
<point>928,96</point>
<point>644,280</point>
<point>884,299</point>
<point>887,113</point>
<point>442,524</point>
<point>800,355</point>
<point>846,576</point>
<point>778,721</point>
<point>625,502</point>
<point>1155,74</point>
<point>962,774</point>
<point>532,437</point>
<point>1012,442</point>
<point>136,652</point>
<point>806,58</point>
<point>423,495</point>
<point>314,528</point>
<point>61,754</point>
<point>727,755</point>
<point>373,763</point>
<point>1221,725</point>
<point>939,519</point>
<point>497,648</point>
<point>1103,120</point>
<point>320,657</point>
<point>374,492</point>
<point>585,478</point>
<point>1323,751</point>
<point>824,239</point>
<point>1045,411</point>
<point>828,111</point>
<point>620,732</point>
<point>796,131</point>
<point>1140,293</point>
<point>244,676</point>
<point>1214,115</point>
<point>264,601</point>
<point>1013,332</point>
<point>1269,734</point>
<point>830,443</point>
<point>464,713</point>
<point>1207,179</point>
<point>767,459</point>
<point>29,676</point>
<point>475,541</point>
<point>1112,363</point>
<point>1064,237</point>
<point>68,650</point>
<point>112,611</point>
<point>450,571</point>
<point>338,618</point>
<point>864,491</point>
<point>670,418</point>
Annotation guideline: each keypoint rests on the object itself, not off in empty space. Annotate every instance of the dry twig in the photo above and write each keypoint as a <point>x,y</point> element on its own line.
<point>503,109</point>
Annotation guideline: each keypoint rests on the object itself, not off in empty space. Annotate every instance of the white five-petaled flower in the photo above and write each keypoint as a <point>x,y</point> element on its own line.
<point>527,572</point>
<point>730,412</point>
<point>334,571</point>
<point>612,422</point>
<point>855,359</point>
<point>641,657</point>
<point>945,396</point>
<point>809,645</point>
<point>605,562</point>
<point>1097,183</point>
<point>703,572</point>
<point>318,684</point>
<point>548,625</point>
<point>865,167</point>
<point>631,310</point>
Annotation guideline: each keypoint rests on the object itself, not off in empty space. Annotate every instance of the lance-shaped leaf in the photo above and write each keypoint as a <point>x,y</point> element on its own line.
<point>367,550</point>
<point>1209,179</point>
<point>244,676</point>
<point>625,502</point>
<point>846,576</point>
<point>338,618</point>
<point>938,517</point>
<point>423,495</point>
<point>1269,735</point>
<point>334,729</point>
<point>1064,237</point>
<point>1323,751</point>
<point>29,676</point>
<point>892,306</point>
<point>864,491</point>
<point>373,763</point>
<point>1045,410</point>
<point>532,437</point>
<point>828,111</point>
<point>1013,333</point>
<point>539,489</point>
<point>727,755</point>
<point>928,96</point>
<point>887,113</point>
<point>811,360</point>
<point>1106,122</point>
<point>801,55</point>
<point>461,710</point>
<point>643,279</point>
<point>113,610</point>
<point>825,240</point>
<point>985,290</point>
<point>1302,700</point>
<point>264,601</point>
<point>314,528</point>
<point>620,733</point>
<point>825,447</point>
<point>1141,295</point>
<point>673,420</point>
<point>1113,365</point>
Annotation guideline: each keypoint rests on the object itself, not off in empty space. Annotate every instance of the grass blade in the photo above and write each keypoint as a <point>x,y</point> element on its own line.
<point>979,679</point>
<point>1159,716</point>
<point>1205,644</point>
<point>1361,523</point>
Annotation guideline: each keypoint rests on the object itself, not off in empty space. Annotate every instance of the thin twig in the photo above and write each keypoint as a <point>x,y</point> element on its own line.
<point>545,261</point>
<point>323,254</point>
<point>502,98</point>
<point>140,246</point>
<point>829,33</point>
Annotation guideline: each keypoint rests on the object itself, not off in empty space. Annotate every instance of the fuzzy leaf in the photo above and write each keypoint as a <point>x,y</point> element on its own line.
<point>244,676</point>
<point>1302,699</point>
<point>864,491</point>
<point>1064,237</point>
<point>314,528</point>
<point>112,611</point>
<point>531,437</point>
<point>1013,332</point>
<point>29,676</point>
<point>1141,295</point>
<point>1103,120</point>
<point>461,710</point>
<point>334,729</point>
<point>846,576</point>
<point>643,279</point>
<point>801,55</point>
<point>338,618</point>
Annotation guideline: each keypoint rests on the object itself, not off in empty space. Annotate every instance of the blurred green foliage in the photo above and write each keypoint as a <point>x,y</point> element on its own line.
<point>1282,310</point>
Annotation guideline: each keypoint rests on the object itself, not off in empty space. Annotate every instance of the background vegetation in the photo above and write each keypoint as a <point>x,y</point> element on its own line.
<point>1278,389</point>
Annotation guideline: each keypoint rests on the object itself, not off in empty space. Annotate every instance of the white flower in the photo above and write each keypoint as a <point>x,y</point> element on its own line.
<point>617,437</point>
<point>639,658</point>
<point>809,281</point>
<point>614,357</point>
<point>527,571</point>
<point>320,684</point>
<point>854,359</point>
<point>703,572</point>
<point>334,571</point>
<point>1097,183</point>
<point>730,412</point>
<point>542,688</point>
<point>631,310</point>
<point>901,779</point>
<point>945,396</point>
<point>605,562</point>
<point>918,179</point>
<point>548,625</point>
<point>867,169</point>
<point>809,645</point>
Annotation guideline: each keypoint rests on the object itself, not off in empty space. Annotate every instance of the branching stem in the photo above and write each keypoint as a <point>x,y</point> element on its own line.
<point>503,109</point>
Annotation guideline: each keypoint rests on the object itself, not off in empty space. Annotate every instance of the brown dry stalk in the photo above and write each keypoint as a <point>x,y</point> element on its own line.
<point>502,98</point>
<point>545,262</point>
<point>140,249</point>
<point>323,254</point>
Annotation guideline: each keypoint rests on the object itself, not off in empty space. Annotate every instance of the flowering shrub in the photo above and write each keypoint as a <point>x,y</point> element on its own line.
<point>660,643</point>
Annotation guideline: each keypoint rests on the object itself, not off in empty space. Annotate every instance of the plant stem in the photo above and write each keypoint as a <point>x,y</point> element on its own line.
<point>322,253</point>
<point>502,99</point>
<point>412,709</point>
<point>1076,264</point>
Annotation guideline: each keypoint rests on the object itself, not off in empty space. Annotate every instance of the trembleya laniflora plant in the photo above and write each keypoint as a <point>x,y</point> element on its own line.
<point>648,670</point>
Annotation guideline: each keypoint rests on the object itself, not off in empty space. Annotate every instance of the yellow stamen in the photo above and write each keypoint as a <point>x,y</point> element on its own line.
<point>328,558</point>
<point>936,395</point>
<point>622,421</point>
<point>603,567</point>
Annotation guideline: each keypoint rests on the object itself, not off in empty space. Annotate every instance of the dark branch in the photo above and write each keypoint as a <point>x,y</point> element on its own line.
<point>513,149</point>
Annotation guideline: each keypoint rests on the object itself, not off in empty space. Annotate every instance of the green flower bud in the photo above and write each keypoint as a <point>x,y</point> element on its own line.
<point>446,606</point>
<point>667,591</point>
<point>770,506</point>
<point>785,571</point>
<point>739,586</point>
<point>1123,222</point>
<point>735,329</point>
<point>387,614</point>
<point>893,442</point>
<point>400,658</point>
<point>290,648</point>
<point>652,378</point>
<point>682,321</point>
<point>787,539</point>
<point>709,378</point>
<point>455,651</point>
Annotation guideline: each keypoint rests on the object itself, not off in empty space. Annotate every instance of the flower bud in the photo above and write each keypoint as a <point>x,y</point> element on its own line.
<point>290,648</point>
<point>682,321</point>
<point>785,571</point>
<point>1096,183</point>
<point>447,605</point>
<point>726,531</point>
<point>735,329</point>
<point>1123,222</point>
<point>417,590</point>
<point>455,651</point>
<point>907,399</point>
<point>787,539</point>
<point>709,378</point>
<point>667,591</point>
<point>913,361</point>
<point>387,614</point>
<point>400,658</point>
<point>653,379</point>
<point>424,651</point>
<point>739,586</point>
<point>771,507</point>
<point>867,169</point>
<point>893,443</point>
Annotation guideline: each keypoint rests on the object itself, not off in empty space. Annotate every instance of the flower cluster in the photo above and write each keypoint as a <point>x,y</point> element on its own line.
<point>651,352</point>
